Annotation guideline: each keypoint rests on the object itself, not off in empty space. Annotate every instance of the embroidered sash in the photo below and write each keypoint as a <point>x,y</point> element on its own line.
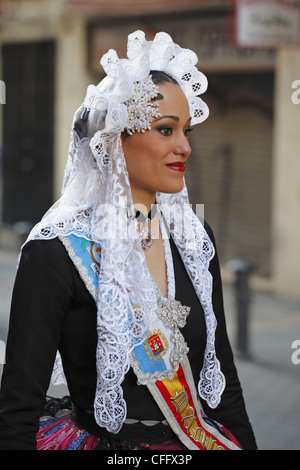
<point>178,402</point>
<point>172,387</point>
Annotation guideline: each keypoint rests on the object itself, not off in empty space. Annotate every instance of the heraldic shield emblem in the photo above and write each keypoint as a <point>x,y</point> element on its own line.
<point>156,345</point>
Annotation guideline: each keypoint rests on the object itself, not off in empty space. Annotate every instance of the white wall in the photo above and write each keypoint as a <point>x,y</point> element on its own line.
<point>286,176</point>
<point>72,79</point>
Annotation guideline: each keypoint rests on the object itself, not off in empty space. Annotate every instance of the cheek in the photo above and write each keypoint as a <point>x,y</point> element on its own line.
<point>134,168</point>
<point>145,157</point>
<point>142,168</point>
<point>139,154</point>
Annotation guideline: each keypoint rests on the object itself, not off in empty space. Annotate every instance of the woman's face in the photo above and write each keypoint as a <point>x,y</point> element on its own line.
<point>156,159</point>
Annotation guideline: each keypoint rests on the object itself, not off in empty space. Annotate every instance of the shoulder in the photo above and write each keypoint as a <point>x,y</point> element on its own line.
<point>50,253</point>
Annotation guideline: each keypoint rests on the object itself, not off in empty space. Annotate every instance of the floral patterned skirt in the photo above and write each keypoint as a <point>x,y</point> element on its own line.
<point>62,434</point>
<point>58,431</point>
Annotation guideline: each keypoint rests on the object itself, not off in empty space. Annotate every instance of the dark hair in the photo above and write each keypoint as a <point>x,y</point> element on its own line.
<point>162,77</point>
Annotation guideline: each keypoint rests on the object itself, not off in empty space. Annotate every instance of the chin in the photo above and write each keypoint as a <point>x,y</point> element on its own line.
<point>172,189</point>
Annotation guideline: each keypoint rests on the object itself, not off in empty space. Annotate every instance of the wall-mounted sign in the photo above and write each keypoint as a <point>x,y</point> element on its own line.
<point>267,23</point>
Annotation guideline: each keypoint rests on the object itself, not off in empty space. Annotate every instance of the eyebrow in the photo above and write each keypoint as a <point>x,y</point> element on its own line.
<point>170,116</point>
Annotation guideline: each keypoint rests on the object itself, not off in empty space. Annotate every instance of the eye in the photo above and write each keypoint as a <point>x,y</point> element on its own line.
<point>187,131</point>
<point>166,131</point>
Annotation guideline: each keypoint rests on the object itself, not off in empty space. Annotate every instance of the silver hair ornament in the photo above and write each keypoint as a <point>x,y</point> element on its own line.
<point>142,107</point>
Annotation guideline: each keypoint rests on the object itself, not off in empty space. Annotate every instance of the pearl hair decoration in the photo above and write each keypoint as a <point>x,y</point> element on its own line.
<point>142,107</point>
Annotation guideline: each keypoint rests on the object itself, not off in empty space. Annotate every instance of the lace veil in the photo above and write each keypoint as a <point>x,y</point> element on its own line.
<point>96,204</point>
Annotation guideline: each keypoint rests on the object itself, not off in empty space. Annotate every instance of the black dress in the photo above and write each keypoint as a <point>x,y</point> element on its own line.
<point>52,310</point>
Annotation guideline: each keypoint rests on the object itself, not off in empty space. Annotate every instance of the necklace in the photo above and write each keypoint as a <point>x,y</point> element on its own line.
<point>146,235</point>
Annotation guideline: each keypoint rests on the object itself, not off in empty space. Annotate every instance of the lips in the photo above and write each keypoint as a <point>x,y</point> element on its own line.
<point>177,166</point>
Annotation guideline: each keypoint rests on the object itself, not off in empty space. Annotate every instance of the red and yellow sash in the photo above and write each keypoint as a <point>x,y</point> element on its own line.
<point>178,401</point>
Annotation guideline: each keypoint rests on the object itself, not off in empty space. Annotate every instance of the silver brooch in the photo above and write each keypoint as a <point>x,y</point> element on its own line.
<point>173,313</point>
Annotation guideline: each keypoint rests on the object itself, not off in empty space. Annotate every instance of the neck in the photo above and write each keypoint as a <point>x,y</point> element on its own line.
<point>143,202</point>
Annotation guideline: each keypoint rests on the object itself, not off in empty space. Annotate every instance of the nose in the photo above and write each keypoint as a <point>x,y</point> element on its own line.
<point>182,146</point>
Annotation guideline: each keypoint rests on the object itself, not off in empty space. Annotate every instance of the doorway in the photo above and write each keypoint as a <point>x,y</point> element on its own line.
<point>28,73</point>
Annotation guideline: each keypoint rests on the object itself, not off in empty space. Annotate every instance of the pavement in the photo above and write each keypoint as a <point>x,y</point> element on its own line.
<point>269,372</point>
<point>270,375</point>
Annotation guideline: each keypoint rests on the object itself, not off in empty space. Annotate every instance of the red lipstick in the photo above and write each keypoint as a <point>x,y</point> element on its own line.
<point>177,166</point>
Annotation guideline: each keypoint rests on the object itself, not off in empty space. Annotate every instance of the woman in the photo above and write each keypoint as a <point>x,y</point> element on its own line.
<point>127,285</point>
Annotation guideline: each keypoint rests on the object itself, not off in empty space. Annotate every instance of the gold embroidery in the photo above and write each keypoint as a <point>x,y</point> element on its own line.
<point>188,418</point>
<point>180,400</point>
